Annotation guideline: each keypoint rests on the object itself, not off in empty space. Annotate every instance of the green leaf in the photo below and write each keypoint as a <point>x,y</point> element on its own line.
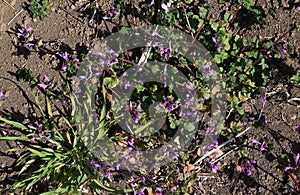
<point>227,16</point>
<point>239,110</point>
<point>189,127</point>
<point>50,193</point>
<point>14,138</point>
<point>40,154</point>
<point>15,124</point>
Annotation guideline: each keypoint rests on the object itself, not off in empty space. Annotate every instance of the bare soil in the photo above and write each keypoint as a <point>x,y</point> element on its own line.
<point>67,27</point>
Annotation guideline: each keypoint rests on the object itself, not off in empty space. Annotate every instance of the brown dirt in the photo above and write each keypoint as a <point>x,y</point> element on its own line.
<point>66,26</point>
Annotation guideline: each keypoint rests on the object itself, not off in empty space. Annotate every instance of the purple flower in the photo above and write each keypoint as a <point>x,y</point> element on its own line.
<point>65,56</point>
<point>20,33</point>
<point>214,40</point>
<point>36,37</point>
<point>133,189</point>
<point>152,2</point>
<point>264,100</point>
<point>288,168</point>
<point>156,44</point>
<point>298,128</point>
<point>172,107</point>
<point>214,168</point>
<point>48,137</point>
<point>159,189</point>
<point>298,8</point>
<point>142,191</point>
<point>297,159</point>
<point>64,68</point>
<point>189,86</point>
<point>266,121</point>
<point>42,85</point>
<point>100,54</point>
<point>253,161</point>
<point>1,94</point>
<point>28,28</point>
<point>33,139</point>
<point>283,51</point>
<point>46,77</point>
<point>31,127</point>
<point>127,84</point>
<point>173,188</point>
<point>215,144</point>
<point>254,141</point>
<point>118,167</point>
<point>114,11</point>
<point>251,118</point>
<point>262,148</point>
<point>75,60</point>
<point>29,44</point>
<point>248,172</point>
<point>105,18</point>
<point>155,33</point>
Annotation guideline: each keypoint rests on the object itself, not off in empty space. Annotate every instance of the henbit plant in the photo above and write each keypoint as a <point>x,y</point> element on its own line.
<point>39,8</point>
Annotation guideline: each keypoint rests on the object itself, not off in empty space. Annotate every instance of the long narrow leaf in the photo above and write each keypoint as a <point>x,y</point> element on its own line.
<point>14,123</point>
<point>14,138</point>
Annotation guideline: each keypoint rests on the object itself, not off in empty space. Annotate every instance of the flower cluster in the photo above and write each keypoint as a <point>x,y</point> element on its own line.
<point>47,82</point>
<point>109,58</point>
<point>69,62</point>
<point>41,133</point>
<point>110,14</point>
<point>26,35</point>
<point>135,112</point>
<point>248,167</point>
<point>261,145</point>
<point>102,166</point>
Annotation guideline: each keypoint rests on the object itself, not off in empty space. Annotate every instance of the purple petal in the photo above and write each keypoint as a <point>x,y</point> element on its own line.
<point>297,162</point>
<point>33,139</point>
<point>1,94</point>
<point>214,168</point>
<point>65,56</point>
<point>75,60</point>
<point>251,118</point>
<point>254,141</point>
<point>248,172</point>
<point>283,51</point>
<point>28,28</point>
<point>42,85</point>
<point>20,35</point>
<point>105,18</point>
<point>262,148</point>
<point>288,168</point>
<point>29,44</point>
<point>142,191</point>
<point>214,40</point>
<point>253,161</point>
<point>64,68</point>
